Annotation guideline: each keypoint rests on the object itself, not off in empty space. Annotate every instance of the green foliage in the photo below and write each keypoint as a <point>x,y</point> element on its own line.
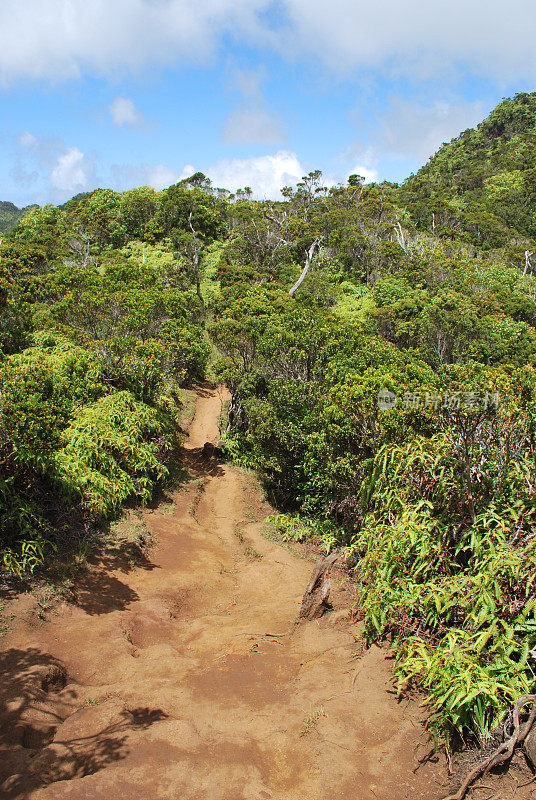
<point>63,437</point>
<point>143,328</point>
<point>40,387</point>
<point>295,528</point>
<point>10,215</point>
<point>481,186</point>
<point>426,290</point>
<point>113,449</point>
<point>433,504</point>
<point>29,555</point>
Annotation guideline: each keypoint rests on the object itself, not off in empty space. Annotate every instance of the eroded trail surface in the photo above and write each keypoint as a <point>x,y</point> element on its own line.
<point>160,682</point>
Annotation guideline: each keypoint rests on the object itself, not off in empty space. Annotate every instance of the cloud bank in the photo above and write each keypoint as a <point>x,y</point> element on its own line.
<point>59,39</point>
<point>55,170</point>
<point>265,175</point>
<point>125,114</point>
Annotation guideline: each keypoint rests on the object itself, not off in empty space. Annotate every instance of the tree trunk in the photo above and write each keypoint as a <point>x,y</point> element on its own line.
<point>308,260</point>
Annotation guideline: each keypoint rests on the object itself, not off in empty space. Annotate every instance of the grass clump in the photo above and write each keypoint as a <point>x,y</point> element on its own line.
<point>312,720</point>
<point>295,528</point>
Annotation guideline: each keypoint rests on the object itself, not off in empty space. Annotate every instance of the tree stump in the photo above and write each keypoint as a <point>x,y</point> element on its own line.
<point>315,601</point>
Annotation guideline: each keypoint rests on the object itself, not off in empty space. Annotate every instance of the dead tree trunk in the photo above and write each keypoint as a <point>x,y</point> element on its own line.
<point>400,238</point>
<point>315,601</point>
<point>528,264</point>
<point>308,261</point>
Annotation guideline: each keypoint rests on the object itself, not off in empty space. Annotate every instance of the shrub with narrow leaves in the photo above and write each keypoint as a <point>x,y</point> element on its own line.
<point>113,450</point>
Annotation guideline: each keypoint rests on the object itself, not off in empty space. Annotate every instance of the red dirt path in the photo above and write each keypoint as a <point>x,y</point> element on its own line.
<point>159,682</point>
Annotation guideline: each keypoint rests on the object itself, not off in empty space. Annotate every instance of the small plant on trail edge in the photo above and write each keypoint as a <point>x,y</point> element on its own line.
<point>5,623</point>
<point>295,528</point>
<point>238,533</point>
<point>168,509</point>
<point>91,701</point>
<point>311,720</point>
<point>270,532</point>
<point>47,596</point>
<point>250,552</point>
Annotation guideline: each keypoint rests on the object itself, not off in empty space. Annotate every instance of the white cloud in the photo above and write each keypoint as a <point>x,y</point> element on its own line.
<point>59,39</point>
<point>158,176</point>
<point>43,150</point>
<point>125,113</point>
<point>265,175</point>
<point>252,124</point>
<point>414,130</point>
<point>72,172</point>
<point>187,172</point>
<point>27,139</point>
<point>65,170</point>
<point>51,167</point>
<point>368,173</point>
<point>415,38</point>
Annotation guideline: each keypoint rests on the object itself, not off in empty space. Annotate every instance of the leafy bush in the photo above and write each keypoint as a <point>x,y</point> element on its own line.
<point>113,449</point>
<point>40,388</point>
<point>458,597</point>
<point>23,541</point>
<point>295,528</point>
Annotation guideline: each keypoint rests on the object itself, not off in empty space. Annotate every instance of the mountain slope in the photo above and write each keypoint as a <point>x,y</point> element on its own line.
<point>10,215</point>
<point>482,184</point>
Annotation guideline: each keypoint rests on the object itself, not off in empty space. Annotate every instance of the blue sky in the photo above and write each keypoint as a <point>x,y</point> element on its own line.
<point>123,93</point>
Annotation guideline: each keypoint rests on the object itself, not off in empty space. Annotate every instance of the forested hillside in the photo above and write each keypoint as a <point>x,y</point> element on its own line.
<point>10,215</point>
<point>481,187</point>
<point>379,342</point>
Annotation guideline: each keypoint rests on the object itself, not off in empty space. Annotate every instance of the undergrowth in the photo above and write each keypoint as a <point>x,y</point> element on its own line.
<point>459,599</point>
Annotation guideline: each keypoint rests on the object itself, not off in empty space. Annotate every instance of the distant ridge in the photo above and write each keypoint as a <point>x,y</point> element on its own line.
<point>10,215</point>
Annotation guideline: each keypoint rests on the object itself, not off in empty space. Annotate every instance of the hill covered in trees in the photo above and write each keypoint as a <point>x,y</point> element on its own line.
<point>379,342</point>
<point>482,186</point>
<point>10,215</point>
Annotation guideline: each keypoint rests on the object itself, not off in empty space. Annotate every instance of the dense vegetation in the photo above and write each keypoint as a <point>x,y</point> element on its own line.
<point>380,345</point>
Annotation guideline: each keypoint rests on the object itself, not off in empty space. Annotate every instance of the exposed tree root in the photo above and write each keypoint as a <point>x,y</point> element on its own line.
<point>316,598</point>
<point>505,751</point>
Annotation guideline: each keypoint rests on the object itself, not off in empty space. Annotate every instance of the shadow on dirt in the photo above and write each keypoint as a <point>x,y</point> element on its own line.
<point>33,704</point>
<point>200,464</point>
<point>97,592</point>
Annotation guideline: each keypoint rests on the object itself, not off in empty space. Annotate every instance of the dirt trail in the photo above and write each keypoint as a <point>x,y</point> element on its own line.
<point>160,682</point>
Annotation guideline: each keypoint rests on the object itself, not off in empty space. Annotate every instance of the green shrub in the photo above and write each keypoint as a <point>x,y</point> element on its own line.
<point>113,450</point>
<point>39,389</point>
<point>459,598</point>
